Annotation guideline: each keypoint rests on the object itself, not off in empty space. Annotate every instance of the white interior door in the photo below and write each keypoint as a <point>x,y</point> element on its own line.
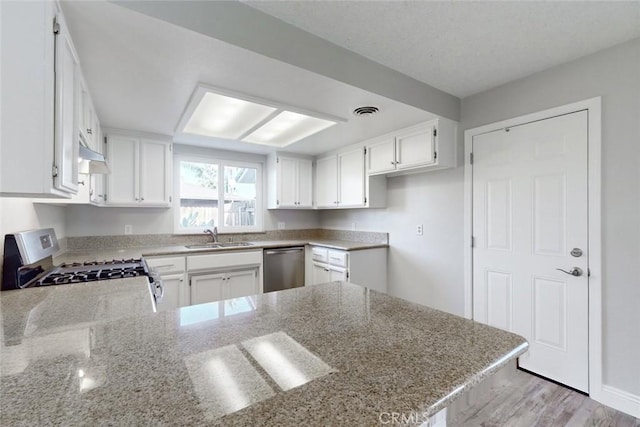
<point>529,213</point>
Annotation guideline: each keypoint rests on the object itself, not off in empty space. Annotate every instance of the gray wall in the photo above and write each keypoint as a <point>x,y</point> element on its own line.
<point>424,269</point>
<point>613,74</point>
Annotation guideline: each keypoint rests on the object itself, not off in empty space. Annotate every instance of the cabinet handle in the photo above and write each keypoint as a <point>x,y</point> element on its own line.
<point>89,131</point>
<point>137,199</point>
<point>142,199</point>
<point>393,163</point>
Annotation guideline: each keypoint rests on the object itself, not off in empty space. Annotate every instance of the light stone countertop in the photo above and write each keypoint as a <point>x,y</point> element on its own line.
<point>148,251</point>
<point>332,354</point>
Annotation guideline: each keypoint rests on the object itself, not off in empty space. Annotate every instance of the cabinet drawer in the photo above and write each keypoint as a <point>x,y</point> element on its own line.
<point>339,259</point>
<point>319,254</point>
<point>167,264</point>
<point>223,260</point>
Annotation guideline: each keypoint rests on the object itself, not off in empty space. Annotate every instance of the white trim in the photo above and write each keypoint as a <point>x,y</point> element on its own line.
<point>594,108</point>
<point>621,400</point>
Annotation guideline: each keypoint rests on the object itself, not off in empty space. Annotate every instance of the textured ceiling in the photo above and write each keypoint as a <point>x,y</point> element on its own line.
<point>464,47</point>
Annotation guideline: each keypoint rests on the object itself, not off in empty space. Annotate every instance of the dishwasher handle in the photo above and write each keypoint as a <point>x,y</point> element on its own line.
<point>283,251</point>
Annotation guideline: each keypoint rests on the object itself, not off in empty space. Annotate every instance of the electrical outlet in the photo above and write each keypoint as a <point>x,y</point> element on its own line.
<point>128,229</point>
<point>419,230</point>
<point>281,225</point>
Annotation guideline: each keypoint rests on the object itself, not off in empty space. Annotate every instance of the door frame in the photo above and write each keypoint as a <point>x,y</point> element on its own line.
<point>594,219</point>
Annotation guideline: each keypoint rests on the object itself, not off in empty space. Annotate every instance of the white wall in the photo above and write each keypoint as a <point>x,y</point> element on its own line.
<point>613,74</point>
<point>19,214</point>
<point>424,269</point>
<point>106,221</point>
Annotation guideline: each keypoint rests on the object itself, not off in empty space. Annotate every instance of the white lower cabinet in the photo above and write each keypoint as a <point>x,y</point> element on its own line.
<point>367,267</point>
<point>173,298</point>
<point>203,278</point>
<point>220,286</point>
<point>324,272</point>
<point>172,272</point>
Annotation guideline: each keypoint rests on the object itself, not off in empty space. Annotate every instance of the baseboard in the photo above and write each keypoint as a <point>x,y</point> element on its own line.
<point>621,400</point>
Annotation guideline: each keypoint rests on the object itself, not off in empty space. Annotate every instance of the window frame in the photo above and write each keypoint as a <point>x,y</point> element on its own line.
<point>221,163</point>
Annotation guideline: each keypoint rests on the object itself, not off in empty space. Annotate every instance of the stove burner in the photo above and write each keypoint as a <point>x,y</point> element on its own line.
<point>92,271</point>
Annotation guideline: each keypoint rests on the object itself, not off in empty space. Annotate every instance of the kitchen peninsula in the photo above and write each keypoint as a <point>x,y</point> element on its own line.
<point>337,354</point>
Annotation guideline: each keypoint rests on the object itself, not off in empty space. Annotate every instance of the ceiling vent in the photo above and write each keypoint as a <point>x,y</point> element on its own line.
<point>365,111</point>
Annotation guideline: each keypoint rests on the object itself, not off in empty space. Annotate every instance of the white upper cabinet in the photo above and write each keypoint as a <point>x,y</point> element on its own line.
<point>140,172</point>
<point>65,174</point>
<point>351,177</point>
<point>341,182</point>
<point>290,182</point>
<point>415,147</point>
<point>381,155</point>
<point>38,154</point>
<point>424,147</point>
<point>327,182</point>
<point>87,119</point>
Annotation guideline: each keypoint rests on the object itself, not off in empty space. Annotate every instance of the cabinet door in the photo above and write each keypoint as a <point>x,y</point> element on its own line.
<point>207,288</point>
<point>85,113</point>
<point>320,274</point>
<point>287,182</point>
<point>337,274</point>
<point>351,178</point>
<point>97,180</point>
<point>305,183</point>
<point>241,284</point>
<point>415,148</point>
<point>66,137</point>
<point>381,156</point>
<point>122,182</point>
<point>173,292</point>
<point>154,173</point>
<point>327,182</point>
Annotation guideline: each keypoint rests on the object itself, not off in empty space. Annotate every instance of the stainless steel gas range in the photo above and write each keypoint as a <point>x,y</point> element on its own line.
<point>28,262</point>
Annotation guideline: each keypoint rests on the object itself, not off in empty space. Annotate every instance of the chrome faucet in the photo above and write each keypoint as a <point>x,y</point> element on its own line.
<point>213,233</point>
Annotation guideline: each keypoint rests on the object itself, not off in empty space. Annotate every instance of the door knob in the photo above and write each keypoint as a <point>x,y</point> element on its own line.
<point>575,271</point>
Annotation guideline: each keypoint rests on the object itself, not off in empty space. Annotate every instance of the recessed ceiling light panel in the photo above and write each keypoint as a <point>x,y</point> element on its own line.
<point>287,128</point>
<point>222,116</point>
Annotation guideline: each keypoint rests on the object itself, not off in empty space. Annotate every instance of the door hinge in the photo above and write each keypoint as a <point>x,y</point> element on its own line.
<point>365,151</point>
<point>105,197</point>
<point>277,159</point>
<point>170,199</point>
<point>435,155</point>
<point>470,158</point>
<point>105,139</point>
<point>347,274</point>
<point>473,242</point>
<point>435,132</point>
<point>56,25</point>
<point>365,200</point>
<point>54,171</point>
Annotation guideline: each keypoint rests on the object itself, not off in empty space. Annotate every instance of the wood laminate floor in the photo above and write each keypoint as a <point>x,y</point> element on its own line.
<point>527,401</point>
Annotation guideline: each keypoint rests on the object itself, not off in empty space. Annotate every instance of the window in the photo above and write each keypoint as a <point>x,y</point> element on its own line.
<point>217,193</point>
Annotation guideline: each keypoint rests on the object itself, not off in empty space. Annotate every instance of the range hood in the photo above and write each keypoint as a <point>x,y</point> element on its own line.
<point>97,162</point>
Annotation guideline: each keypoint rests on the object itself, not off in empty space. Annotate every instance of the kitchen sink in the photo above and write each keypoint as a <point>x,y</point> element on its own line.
<point>218,245</point>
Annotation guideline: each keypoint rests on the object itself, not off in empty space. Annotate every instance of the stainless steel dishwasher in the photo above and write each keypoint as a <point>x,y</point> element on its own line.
<point>283,268</point>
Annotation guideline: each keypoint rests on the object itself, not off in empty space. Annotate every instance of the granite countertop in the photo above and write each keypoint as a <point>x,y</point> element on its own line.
<point>148,251</point>
<point>332,354</point>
